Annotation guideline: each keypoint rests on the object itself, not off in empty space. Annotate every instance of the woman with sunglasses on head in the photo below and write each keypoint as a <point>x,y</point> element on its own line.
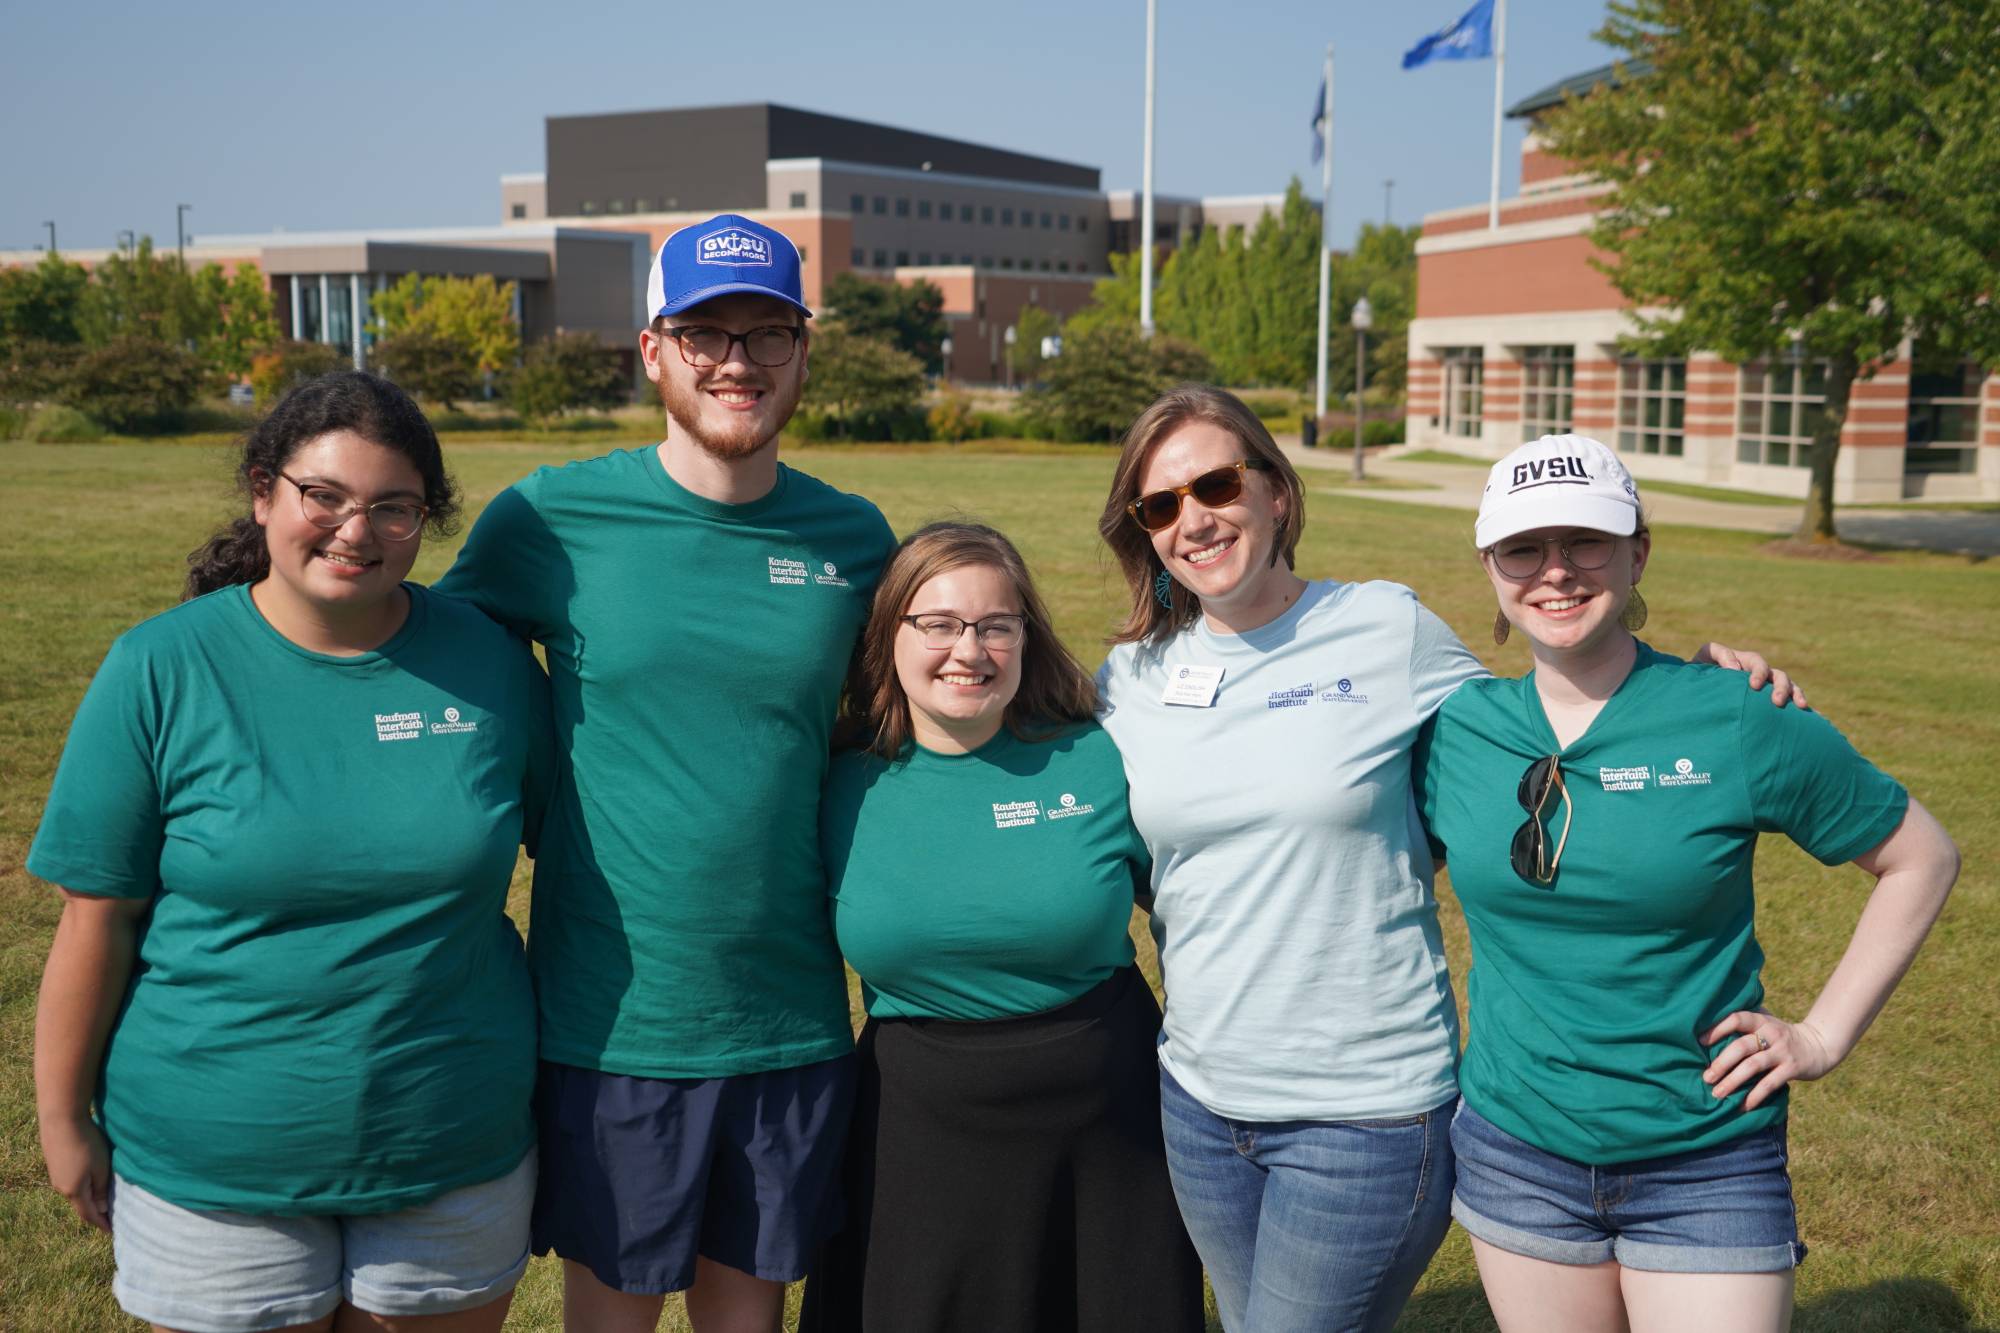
<point>1266,723</point>
<point>286,1040</point>
<point>1621,1143</point>
<point>1005,1169</point>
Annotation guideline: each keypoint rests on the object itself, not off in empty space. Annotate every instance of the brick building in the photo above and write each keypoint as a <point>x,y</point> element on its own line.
<point>1515,335</point>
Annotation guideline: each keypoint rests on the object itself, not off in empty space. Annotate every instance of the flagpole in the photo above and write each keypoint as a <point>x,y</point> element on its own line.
<point>1146,188</point>
<point>1499,73</point>
<point>1325,223</point>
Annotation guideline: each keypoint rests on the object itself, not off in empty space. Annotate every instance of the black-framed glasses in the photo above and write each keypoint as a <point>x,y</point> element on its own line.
<point>329,507</point>
<point>1156,510</point>
<point>941,631</point>
<point>1525,557</point>
<point>705,347</point>
<point>1531,856</point>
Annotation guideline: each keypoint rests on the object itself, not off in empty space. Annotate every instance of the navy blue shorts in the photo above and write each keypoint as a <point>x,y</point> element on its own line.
<point>640,1175</point>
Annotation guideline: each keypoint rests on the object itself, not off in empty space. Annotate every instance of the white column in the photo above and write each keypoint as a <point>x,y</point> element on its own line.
<point>298,312</point>
<point>354,317</point>
<point>325,311</point>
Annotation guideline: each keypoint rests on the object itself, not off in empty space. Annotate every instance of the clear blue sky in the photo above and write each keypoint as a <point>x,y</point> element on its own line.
<point>371,114</point>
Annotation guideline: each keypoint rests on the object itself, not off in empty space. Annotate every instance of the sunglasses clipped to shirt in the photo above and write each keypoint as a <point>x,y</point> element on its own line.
<point>1530,855</point>
<point>1156,510</point>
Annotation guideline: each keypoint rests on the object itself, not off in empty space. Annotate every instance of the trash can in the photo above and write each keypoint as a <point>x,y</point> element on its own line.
<point>1309,431</point>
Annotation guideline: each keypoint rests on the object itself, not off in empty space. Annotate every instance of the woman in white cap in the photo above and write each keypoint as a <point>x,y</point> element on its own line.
<point>1620,1142</point>
<point>1266,722</point>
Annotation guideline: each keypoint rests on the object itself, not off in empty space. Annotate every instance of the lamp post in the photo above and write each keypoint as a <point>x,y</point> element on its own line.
<point>180,232</point>
<point>1363,319</point>
<point>944,358</point>
<point>128,241</point>
<point>52,236</point>
<point>1008,338</point>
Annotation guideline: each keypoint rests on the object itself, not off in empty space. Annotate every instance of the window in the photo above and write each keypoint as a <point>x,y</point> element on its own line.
<point>944,212</point>
<point>902,208</point>
<point>1464,390</point>
<point>923,208</point>
<point>1062,266</point>
<point>617,205</point>
<point>642,205</point>
<point>986,214</point>
<point>1652,398</point>
<point>1006,217</point>
<point>986,261</point>
<point>1047,222</point>
<point>923,259</point>
<point>881,259</point>
<point>1082,223</point>
<point>881,205</point>
<point>1006,262</point>
<point>588,208</point>
<point>902,258</point>
<point>519,211</point>
<point>1944,414</point>
<point>1782,404</point>
<point>965,260</point>
<point>1045,266</point>
<point>1548,389</point>
<point>802,253</point>
<point>858,257</point>
<point>1062,222</point>
<point>856,204</point>
<point>798,198</point>
<point>965,212</point>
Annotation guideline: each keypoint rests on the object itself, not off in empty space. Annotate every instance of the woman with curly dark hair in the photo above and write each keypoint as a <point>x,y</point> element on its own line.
<point>286,1039</point>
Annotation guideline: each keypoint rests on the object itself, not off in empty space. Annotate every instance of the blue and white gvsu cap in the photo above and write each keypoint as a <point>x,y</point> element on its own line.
<point>728,253</point>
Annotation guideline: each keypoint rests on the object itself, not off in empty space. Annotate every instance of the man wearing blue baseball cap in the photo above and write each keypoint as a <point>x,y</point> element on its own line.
<point>698,601</point>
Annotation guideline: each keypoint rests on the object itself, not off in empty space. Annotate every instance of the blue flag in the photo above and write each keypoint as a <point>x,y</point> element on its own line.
<point>1319,121</point>
<point>1469,38</point>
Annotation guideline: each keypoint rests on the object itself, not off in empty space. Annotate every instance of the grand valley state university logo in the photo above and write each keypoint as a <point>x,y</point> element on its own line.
<point>734,247</point>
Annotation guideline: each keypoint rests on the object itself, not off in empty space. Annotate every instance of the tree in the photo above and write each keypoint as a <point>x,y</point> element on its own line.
<point>285,365</point>
<point>866,384</point>
<point>564,372</point>
<point>1107,375</point>
<point>1113,299</point>
<point>1030,326</point>
<point>249,323</point>
<point>908,316</point>
<point>474,315</point>
<point>1809,174</point>
<point>43,303</point>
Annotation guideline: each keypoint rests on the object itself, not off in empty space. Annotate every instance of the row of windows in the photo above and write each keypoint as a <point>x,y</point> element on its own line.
<point>945,211</point>
<point>924,259</point>
<point>1780,406</point>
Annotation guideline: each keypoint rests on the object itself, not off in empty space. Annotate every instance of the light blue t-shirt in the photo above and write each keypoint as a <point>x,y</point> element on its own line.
<point>1293,909</point>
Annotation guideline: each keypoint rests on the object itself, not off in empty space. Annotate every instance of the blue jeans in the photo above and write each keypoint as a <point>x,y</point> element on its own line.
<point>1309,1224</point>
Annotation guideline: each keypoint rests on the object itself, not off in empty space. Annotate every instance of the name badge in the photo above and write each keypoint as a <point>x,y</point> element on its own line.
<point>1191,686</point>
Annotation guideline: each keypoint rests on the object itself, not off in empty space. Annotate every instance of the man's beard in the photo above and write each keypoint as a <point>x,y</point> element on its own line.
<point>742,435</point>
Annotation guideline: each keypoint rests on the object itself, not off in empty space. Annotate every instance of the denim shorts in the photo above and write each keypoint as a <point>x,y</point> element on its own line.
<point>642,1175</point>
<point>1725,1209</point>
<point>219,1272</point>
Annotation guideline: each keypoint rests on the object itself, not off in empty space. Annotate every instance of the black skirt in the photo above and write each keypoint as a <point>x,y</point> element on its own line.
<point>1010,1175</point>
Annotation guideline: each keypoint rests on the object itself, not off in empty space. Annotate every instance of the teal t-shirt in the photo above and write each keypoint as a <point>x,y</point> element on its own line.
<point>330,1011</point>
<point>1589,997</point>
<point>696,652</point>
<point>983,885</point>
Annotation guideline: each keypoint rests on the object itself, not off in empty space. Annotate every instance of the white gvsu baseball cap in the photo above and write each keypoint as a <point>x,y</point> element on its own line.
<point>1558,481</point>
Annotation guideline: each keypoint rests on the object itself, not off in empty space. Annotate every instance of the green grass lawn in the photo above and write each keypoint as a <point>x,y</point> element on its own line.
<point>1895,1157</point>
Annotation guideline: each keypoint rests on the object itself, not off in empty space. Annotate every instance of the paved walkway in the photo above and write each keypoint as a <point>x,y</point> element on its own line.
<point>1457,486</point>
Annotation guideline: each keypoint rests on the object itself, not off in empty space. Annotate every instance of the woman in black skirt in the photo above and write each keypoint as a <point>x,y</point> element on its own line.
<point>1005,1169</point>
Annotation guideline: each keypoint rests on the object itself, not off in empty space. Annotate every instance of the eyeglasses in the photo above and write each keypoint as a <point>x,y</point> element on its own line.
<point>327,507</point>
<point>704,347</point>
<point>1525,557</point>
<point>941,631</point>
<point>1212,490</point>
<point>1530,853</point>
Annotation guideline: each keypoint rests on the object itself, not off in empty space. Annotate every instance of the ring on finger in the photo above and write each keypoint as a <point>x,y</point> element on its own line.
<point>1763,1042</point>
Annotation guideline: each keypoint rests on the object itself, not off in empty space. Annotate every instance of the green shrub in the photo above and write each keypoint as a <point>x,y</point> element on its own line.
<point>1280,408</point>
<point>34,371</point>
<point>62,425</point>
<point>565,372</point>
<point>952,418</point>
<point>275,373</point>
<point>865,388</point>
<point>1105,377</point>
<point>135,383</point>
<point>12,420</point>
<point>1376,432</point>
